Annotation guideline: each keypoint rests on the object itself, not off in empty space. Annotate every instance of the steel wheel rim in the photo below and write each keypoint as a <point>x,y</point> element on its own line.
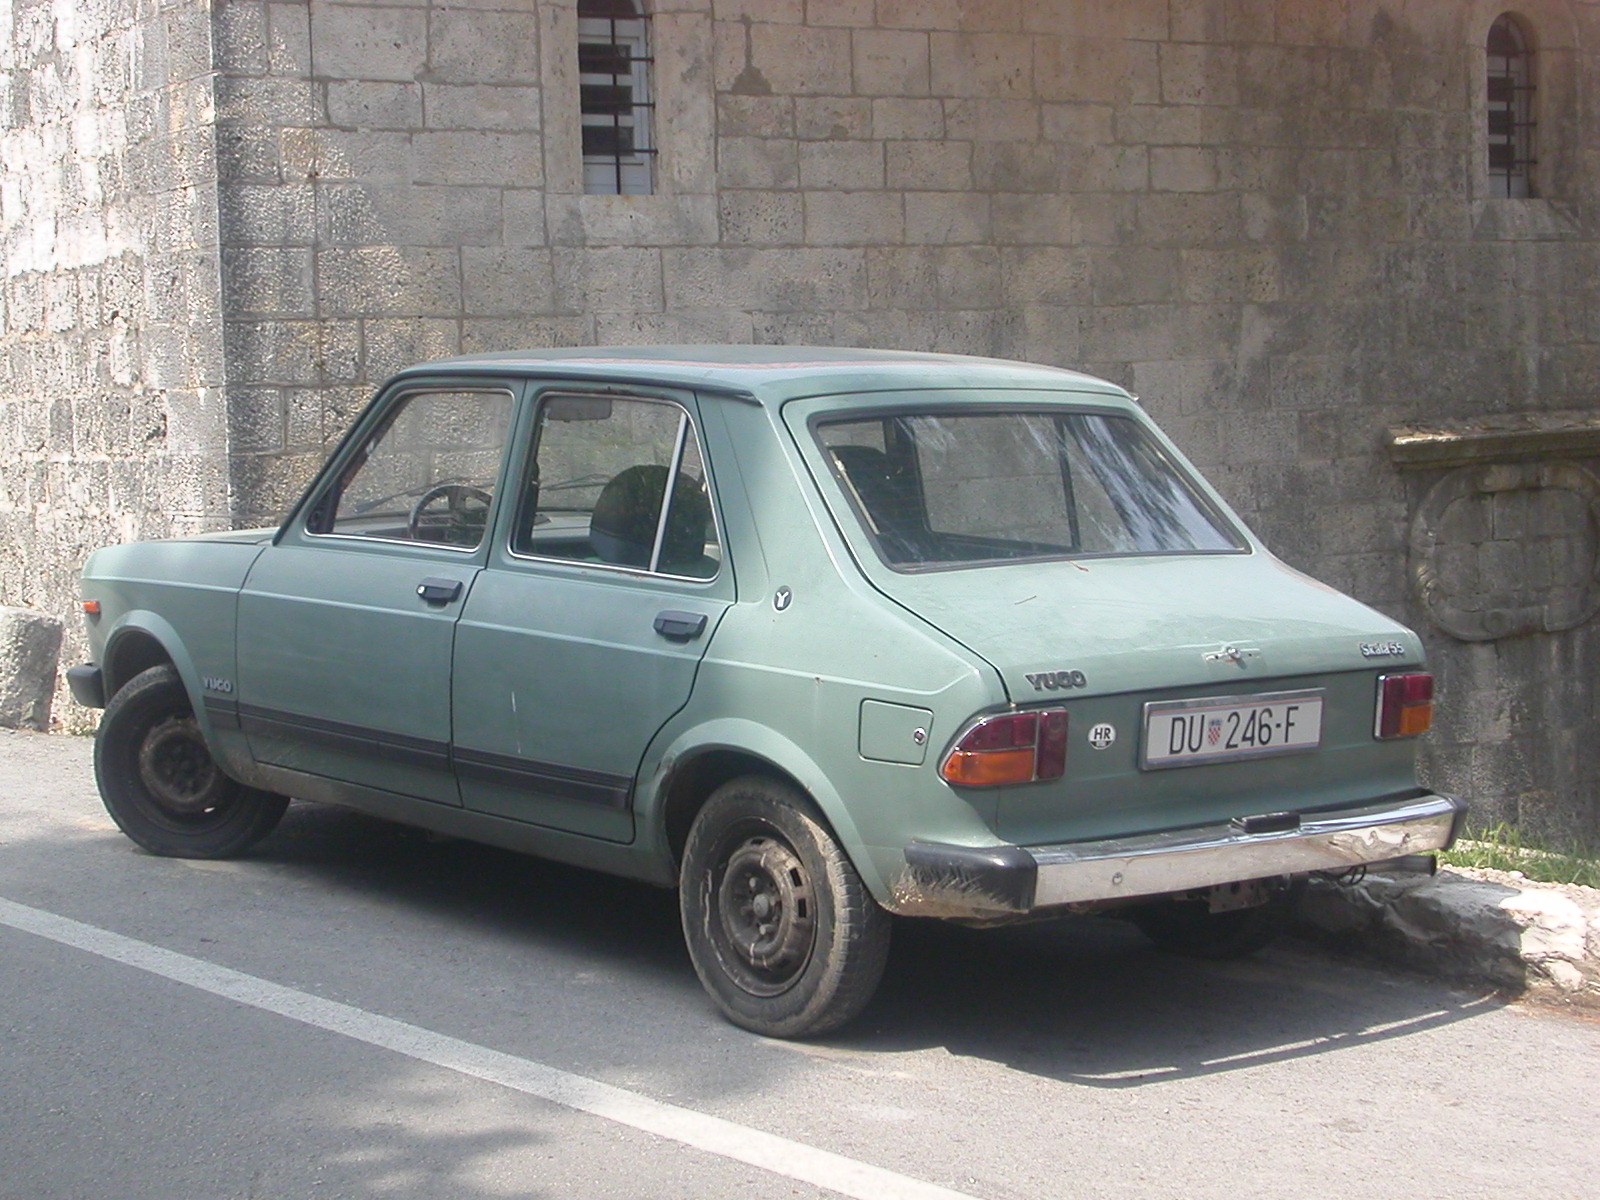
<point>178,774</point>
<point>763,913</point>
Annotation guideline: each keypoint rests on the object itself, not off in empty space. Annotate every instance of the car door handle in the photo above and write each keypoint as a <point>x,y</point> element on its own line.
<point>439,591</point>
<point>680,626</point>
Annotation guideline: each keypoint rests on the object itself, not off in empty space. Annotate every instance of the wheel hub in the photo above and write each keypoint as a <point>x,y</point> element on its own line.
<point>177,770</point>
<point>766,906</point>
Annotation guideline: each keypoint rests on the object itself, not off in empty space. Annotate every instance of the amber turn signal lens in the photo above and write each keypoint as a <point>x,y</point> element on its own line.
<point>91,607</point>
<point>1018,747</point>
<point>1405,705</point>
<point>989,768</point>
<point>1415,719</point>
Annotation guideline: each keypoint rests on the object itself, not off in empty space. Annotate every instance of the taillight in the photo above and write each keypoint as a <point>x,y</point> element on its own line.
<point>1405,705</point>
<point>1017,747</point>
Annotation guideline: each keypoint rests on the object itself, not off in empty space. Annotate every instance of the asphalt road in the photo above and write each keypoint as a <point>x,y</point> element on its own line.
<point>359,1011</point>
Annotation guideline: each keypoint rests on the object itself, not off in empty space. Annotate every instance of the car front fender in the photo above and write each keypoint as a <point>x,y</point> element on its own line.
<point>143,623</point>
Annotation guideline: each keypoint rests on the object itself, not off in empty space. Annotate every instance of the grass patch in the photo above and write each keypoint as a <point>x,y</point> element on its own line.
<point>1501,848</point>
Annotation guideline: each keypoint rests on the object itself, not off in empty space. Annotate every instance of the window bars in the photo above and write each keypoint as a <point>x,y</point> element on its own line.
<point>1510,110</point>
<point>615,98</point>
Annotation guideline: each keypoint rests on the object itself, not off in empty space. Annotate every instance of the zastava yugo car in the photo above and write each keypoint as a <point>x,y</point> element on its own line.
<point>815,635</point>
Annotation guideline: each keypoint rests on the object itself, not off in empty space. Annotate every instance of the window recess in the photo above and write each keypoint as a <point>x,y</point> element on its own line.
<point>615,98</point>
<point>1510,108</point>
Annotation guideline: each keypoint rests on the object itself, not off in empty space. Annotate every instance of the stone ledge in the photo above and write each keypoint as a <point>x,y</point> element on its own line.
<point>1472,925</point>
<point>1496,437</point>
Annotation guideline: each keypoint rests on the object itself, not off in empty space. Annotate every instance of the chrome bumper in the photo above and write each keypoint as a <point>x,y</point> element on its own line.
<point>1194,858</point>
<point>960,881</point>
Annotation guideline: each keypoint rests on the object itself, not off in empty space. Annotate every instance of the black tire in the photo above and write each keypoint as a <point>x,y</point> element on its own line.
<point>160,783</point>
<point>782,932</point>
<point>1187,926</point>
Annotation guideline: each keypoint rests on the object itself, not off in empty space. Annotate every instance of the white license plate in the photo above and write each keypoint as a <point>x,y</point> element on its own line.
<point>1181,733</point>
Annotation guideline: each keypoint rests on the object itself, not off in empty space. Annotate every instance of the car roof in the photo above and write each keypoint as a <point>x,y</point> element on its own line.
<point>771,374</point>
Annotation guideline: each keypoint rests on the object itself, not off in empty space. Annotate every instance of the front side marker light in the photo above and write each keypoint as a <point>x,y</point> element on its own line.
<point>1405,705</point>
<point>90,608</point>
<point>1018,747</point>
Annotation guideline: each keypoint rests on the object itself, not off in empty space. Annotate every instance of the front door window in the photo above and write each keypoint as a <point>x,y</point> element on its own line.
<point>426,474</point>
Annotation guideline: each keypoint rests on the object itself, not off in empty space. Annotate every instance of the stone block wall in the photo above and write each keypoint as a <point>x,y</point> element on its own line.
<point>1270,218</point>
<point>112,416</point>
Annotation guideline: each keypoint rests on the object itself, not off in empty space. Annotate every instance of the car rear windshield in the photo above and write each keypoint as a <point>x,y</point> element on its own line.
<point>954,489</point>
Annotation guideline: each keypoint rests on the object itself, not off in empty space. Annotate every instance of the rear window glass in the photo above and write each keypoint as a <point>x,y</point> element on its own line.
<point>951,489</point>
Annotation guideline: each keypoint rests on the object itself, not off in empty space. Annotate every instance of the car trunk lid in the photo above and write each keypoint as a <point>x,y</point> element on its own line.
<point>1066,629</point>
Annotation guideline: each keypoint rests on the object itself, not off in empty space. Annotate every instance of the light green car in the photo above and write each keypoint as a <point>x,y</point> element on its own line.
<point>814,635</point>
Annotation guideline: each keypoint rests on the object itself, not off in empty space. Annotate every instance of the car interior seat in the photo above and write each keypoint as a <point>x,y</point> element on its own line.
<point>622,528</point>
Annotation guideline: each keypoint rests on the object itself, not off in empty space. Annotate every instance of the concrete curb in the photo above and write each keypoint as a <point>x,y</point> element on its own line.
<point>1471,925</point>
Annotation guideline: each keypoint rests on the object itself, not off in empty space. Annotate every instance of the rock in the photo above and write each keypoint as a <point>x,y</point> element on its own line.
<point>1566,976</point>
<point>1491,927</point>
<point>30,646</point>
<point>1553,927</point>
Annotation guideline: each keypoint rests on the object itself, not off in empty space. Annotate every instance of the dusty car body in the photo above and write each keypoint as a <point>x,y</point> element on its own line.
<point>814,635</point>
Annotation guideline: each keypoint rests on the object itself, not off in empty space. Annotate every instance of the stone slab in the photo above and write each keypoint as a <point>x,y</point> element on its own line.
<point>30,647</point>
<point>1477,926</point>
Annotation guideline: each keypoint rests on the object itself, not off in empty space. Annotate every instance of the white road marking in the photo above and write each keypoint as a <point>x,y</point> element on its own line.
<point>714,1135</point>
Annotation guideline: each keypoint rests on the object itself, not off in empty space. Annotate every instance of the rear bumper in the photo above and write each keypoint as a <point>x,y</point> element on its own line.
<point>958,881</point>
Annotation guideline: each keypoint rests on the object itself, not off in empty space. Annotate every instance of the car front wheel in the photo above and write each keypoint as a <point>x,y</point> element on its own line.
<point>160,783</point>
<point>783,933</point>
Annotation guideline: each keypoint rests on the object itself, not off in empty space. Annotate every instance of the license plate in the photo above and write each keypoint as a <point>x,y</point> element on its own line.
<point>1182,733</point>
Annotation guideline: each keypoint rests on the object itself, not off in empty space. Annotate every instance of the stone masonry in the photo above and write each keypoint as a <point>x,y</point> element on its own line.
<point>1269,218</point>
<point>112,420</point>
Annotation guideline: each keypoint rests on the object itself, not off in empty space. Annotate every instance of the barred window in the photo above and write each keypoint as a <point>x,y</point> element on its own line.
<point>615,97</point>
<point>1510,109</point>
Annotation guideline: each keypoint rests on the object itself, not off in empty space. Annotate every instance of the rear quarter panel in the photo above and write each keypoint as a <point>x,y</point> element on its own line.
<point>786,684</point>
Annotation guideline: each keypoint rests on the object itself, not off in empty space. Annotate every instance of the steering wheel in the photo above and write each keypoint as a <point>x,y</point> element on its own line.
<point>460,519</point>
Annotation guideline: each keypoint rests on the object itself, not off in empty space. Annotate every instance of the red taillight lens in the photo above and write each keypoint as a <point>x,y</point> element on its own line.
<point>1052,758</point>
<point>1009,748</point>
<point>1405,705</point>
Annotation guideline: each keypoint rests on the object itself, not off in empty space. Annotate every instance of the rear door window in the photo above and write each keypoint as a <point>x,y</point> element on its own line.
<point>618,482</point>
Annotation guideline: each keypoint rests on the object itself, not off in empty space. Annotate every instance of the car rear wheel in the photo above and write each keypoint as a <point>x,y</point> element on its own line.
<point>1189,927</point>
<point>160,783</point>
<point>782,932</point>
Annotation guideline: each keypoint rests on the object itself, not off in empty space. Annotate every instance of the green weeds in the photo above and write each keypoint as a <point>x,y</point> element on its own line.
<point>1502,848</point>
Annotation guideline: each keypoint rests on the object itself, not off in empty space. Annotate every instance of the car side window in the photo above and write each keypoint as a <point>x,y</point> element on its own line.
<point>597,488</point>
<point>425,474</point>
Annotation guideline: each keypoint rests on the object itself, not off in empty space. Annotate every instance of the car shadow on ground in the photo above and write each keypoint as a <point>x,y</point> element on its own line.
<point>1085,1000</point>
<point>1090,1001</point>
<point>516,896</point>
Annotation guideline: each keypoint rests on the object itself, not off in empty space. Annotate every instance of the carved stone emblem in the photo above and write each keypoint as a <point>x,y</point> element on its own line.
<point>1504,549</point>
